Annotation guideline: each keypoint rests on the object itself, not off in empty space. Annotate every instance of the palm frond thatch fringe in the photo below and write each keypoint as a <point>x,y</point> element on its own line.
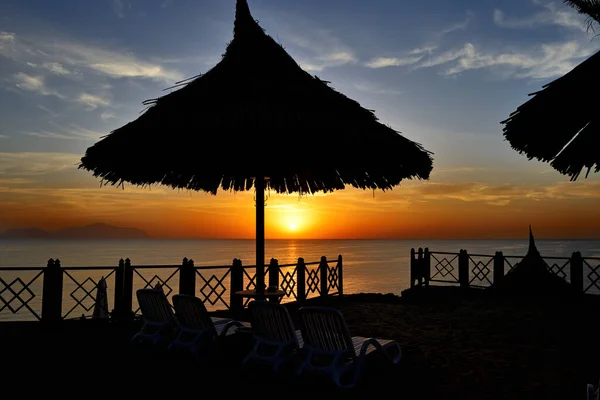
<point>563,113</point>
<point>257,113</point>
<point>591,8</point>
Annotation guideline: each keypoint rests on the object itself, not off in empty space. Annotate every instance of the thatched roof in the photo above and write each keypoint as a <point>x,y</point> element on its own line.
<point>257,113</point>
<point>566,107</point>
<point>532,277</point>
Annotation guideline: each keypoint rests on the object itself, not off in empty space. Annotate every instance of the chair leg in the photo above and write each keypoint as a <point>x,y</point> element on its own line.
<point>252,353</point>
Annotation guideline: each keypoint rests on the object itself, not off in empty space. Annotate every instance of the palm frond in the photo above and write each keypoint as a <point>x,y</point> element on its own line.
<point>591,8</point>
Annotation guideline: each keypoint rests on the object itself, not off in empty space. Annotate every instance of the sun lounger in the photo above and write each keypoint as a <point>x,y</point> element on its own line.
<point>158,320</point>
<point>197,329</point>
<point>275,338</point>
<point>329,348</point>
<point>592,392</point>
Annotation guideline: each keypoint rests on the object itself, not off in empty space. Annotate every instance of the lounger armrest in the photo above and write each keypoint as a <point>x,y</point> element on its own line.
<point>230,325</point>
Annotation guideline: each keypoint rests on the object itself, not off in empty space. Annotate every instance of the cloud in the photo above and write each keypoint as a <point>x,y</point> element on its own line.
<point>329,60</point>
<point>459,26</point>
<point>504,194</point>
<point>539,62</point>
<point>375,89</point>
<point>551,15</point>
<point>423,50</point>
<point>47,110</point>
<point>92,101</point>
<point>382,62</point>
<point>106,116</point>
<point>29,164</point>
<point>34,84</point>
<point>315,48</point>
<point>6,38</point>
<point>56,68</point>
<point>62,56</point>
<point>415,55</point>
<point>71,132</point>
<point>118,8</point>
<point>3,137</point>
<point>444,57</point>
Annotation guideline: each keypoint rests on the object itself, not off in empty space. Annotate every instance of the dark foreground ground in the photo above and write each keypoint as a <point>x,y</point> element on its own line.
<point>455,347</point>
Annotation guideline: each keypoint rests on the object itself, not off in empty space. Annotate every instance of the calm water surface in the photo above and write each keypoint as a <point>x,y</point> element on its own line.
<point>380,266</point>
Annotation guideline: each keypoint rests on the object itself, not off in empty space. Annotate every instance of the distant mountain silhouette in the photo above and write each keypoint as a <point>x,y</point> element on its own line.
<point>26,233</point>
<point>94,231</point>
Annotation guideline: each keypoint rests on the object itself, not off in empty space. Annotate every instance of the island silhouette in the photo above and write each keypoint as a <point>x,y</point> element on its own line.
<point>92,231</point>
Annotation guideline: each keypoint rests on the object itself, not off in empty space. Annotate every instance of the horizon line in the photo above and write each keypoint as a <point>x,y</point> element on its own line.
<point>307,239</point>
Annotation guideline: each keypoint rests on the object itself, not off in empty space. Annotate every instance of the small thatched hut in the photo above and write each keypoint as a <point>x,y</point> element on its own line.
<point>532,277</point>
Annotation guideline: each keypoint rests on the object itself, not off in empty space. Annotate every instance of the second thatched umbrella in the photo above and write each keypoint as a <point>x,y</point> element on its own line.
<point>257,119</point>
<point>561,123</point>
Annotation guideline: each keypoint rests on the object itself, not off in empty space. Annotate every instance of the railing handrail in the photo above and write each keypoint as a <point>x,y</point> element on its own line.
<point>158,266</point>
<point>22,268</point>
<point>321,278</point>
<point>505,256</point>
<point>478,270</point>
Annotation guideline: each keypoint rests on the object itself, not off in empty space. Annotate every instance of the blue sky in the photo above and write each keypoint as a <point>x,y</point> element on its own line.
<point>444,73</point>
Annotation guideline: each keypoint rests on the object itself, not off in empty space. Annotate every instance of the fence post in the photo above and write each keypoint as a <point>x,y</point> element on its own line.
<point>463,269</point>
<point>117,312</point>
<point>340,271</point>
<point>274,273</point>
<point>301,281</point>
<point>187,278</point>
<point>419,267</point>
<point>413,268</point>
<point>498,266</point>
<point>426,266</point>
<point>236,285</point>
<point>323,278</point>
<point>577,271</point>
<point>127,290</point>
<point>52,288</point>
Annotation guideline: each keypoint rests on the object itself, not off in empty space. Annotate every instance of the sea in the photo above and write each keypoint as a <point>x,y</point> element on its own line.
<point>369,266</point>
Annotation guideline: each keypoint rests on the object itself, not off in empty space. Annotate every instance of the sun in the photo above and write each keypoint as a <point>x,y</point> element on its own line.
<point>293,227</point>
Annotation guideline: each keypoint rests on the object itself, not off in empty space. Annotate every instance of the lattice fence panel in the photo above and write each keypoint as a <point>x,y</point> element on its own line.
<point>80,290</point>
<point>444,268</point>
<point>21,295</point>
<point>313,281</point>
<point>559,267</point>
<point>287,282</point>
<point>480,270</point>
<point>333,279</point>
<point>145,278</point>
<point>213,288</point>
<point>592,284</point>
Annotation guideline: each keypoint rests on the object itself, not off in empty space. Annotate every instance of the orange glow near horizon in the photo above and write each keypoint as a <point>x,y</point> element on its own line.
<point>416,210</point>
<point>353,214</point>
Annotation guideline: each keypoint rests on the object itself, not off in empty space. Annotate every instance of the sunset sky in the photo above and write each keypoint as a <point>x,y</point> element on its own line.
<point>444,73</point>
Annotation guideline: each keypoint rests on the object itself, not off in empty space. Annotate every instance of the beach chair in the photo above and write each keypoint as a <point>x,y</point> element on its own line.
<point>275,337</point>
<point>329,349</point>
<point>199,331</point>
<point>158,319</point>
<point>592,392</point>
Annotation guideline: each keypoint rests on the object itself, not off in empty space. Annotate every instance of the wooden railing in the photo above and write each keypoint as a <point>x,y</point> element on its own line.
<point>481,270</point>
<point>55,293</point>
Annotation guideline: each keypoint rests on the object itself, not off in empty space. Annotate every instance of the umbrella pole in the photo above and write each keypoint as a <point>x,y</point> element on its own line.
<point>259,185</point>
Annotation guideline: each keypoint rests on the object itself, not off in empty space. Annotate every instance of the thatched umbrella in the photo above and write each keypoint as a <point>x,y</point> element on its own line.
<point>563,113</point>
<point>257,119</point>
